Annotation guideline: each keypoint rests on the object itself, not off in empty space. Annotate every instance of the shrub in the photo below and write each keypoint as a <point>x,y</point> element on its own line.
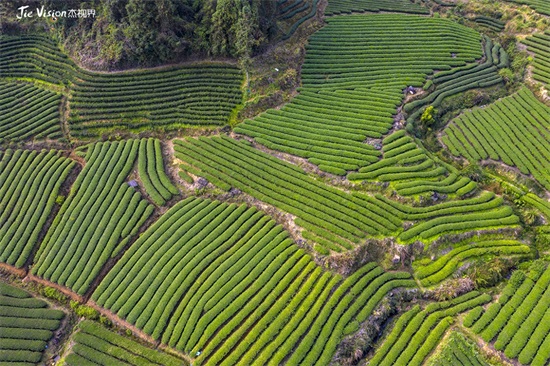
<point>84,311</point>
<point>54,294</point>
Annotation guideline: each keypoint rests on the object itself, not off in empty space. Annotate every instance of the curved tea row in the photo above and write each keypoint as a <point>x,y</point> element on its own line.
<point>209,276</point>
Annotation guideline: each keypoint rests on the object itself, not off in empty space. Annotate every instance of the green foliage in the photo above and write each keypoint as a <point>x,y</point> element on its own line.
<point>137,33</point>
<point>84,311</point>
<point>105,321</point>
<point>234,23</point>
<point>489,273</point>
<point>506,74</point>
<point>542,241</point>
<point>516,279</point>
<point>54,294</point>
<point>427,118</point>
<point>458,349</point>
<point>474,172</point>
<point>445,266</point>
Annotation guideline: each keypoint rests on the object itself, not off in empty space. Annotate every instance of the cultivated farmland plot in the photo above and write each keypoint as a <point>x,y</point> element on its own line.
<point>94,345</point>
<point>518,322</point>
<point>29,185</point>
<point>101,211</point>
<point>538,44</point>
<point>353,76</point>
<point>168,98</point>
<point>417,332</point>
<point>208,276</point>
<point>343,221</point>
<point>28,111</point>
<point>26,326</point>
<point>332,218</point>
<point>515,130</point>
<point>34,57</point>
<point>348,6</point>
<point>460,79</point>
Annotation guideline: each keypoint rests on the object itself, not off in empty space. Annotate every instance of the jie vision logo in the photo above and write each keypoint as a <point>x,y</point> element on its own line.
<point>24,12</point>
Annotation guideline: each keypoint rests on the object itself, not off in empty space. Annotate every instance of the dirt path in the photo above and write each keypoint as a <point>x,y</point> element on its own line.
<point>64,111</point>
<point>18,272</point>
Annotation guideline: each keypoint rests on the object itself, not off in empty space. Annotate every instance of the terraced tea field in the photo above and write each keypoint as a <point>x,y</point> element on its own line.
<point>514,130</point>
<point>308,183</point>
<point>331,218</point>
<point>172,284</point>
<point>28,111</point>
<point>152,173</point>
<point>165,98</point>
<point>94,345</point>
<point>461,79</point>
<point>348,6</point>
<point>169,98</point>
<point>100,215</point>
<point>540,6</point>
<point>353,76</point>
<point>34,57</point>
<point>29,185</point>
<point>491,23</point>
<point>538,44</point>
<point>517,322</point>
<point>339,145</point>
<point>417,332</point>
<point>339,222</point>
<point>296,12</point>
<point>26,326</point>
<point>357,51</point>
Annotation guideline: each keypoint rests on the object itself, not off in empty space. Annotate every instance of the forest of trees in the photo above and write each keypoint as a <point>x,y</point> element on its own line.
<point>130,33</point>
